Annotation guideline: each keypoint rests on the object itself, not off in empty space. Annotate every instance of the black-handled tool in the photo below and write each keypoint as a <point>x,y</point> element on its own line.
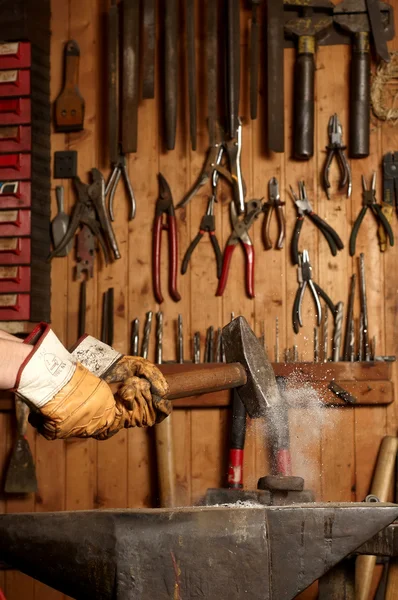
<point>314,19</point>
<point>353,16</point>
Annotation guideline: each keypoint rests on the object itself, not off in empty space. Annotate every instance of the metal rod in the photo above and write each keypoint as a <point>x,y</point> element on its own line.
<point>338,331</point>
<point>364,306</point>
<point>316,344</point>
<point>276,340</point>
<point>325,334</point>
<point>180,340</point>
<point>135,327</point>
<point>196,348</point>
<point>147,332</point>
<point>159,338</point>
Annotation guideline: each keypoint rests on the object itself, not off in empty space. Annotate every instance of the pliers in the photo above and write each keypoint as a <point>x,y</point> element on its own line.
<point>89,210</point>
<point>336,147</point>
<point>274,202</point>
<point>304,209</point>
<point>253,209</point>
<point>213,157</point>
<point>232,148</point>
<point>164,206</point>
<point>119,170</point>
<point>369,201</point>
<point>390,193</point>
<point>304,278</point>
<point>208,223</point>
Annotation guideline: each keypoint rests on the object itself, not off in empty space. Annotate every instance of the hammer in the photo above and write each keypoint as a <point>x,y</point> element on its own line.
<point>247,369</point>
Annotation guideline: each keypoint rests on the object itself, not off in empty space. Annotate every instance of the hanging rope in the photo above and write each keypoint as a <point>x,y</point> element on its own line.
<point>384,90</point>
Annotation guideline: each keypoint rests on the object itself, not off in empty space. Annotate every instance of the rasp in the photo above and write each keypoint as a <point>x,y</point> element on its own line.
<point>233,65</point>
<point>275,70</point>
<point>113,108</point>
<point>148,48</point>
<point>170,72</point>
<point>254,58</point>
<point>211,57</point>
<point>130,74</point>
<point>191,63</point>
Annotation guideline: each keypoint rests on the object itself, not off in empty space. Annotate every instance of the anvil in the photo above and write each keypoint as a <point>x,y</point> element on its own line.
<point>256,552</point>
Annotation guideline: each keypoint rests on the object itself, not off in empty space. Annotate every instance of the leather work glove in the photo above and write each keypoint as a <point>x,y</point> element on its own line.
<point>69,400</point>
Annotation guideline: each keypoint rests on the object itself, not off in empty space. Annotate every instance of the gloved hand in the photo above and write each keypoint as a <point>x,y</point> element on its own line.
<point>71,401</point>
<point>143,386</point>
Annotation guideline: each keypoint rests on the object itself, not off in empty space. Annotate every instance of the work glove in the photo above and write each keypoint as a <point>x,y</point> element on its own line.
<point>70,400</point>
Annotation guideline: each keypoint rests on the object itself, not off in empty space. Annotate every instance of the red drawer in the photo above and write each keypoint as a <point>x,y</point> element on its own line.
<point>15,138</point>
<point>15,82</point>
<point>14,279</point>
<point>14,307</point>
<point>15,111</point>
<point>14,223</point>
<point>15,55</point>
<point>15,166</point>
<point>15,251</point>
<point>15,194</point>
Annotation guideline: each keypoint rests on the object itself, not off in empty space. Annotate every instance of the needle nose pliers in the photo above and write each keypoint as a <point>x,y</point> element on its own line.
<point>164,206</point>
<point>253,209</point>
<point>369,201</point>
<point>336,147</point>
<point>304,278</point>
<point>274,202</point>
<point>304,209</point>
<point>208,223</point>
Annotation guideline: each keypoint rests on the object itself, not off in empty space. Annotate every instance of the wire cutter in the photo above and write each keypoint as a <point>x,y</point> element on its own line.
<point>304,278</point>
<point>336,147</point>
<point>369,201</point>
<point>304,209</point>
<point>253,209</point>
<point>208,223</point>
<point>274,202</point>
<point>164,206</point>
<point>119,170</point>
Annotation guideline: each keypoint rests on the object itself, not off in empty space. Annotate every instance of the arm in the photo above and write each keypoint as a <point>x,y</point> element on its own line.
<point>12,355</point>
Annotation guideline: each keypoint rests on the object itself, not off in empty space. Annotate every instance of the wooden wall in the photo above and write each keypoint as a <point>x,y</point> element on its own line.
<point>335,453</point>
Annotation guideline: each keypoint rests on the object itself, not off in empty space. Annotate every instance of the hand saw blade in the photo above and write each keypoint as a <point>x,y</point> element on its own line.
<point>376,25</point>
<point>148,49</point>
<point>130,74</point>
<point>191,62</point>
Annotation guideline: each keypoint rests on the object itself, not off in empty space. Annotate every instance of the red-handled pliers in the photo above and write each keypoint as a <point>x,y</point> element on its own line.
<point>164,205</point>
<point>253,209</point>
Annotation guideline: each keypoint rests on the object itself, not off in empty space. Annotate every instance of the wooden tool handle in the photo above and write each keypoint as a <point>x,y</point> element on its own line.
<point>22,414</point>
<point>303,144</point>
<point>202,381</point>
<point>165,463</point>
<point>360,97</point>
<point>364,566</point>
<point>69,106</point>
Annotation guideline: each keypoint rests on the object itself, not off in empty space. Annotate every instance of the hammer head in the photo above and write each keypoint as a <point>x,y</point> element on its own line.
<point>241,345</point>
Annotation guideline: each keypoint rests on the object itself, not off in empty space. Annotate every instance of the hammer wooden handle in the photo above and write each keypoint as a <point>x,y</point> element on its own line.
<point>364,565</point>
<point>201,381</point>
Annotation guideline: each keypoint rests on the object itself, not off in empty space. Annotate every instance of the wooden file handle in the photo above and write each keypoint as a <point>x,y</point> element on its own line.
<point>384,473</point>
<point>202,381</point>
